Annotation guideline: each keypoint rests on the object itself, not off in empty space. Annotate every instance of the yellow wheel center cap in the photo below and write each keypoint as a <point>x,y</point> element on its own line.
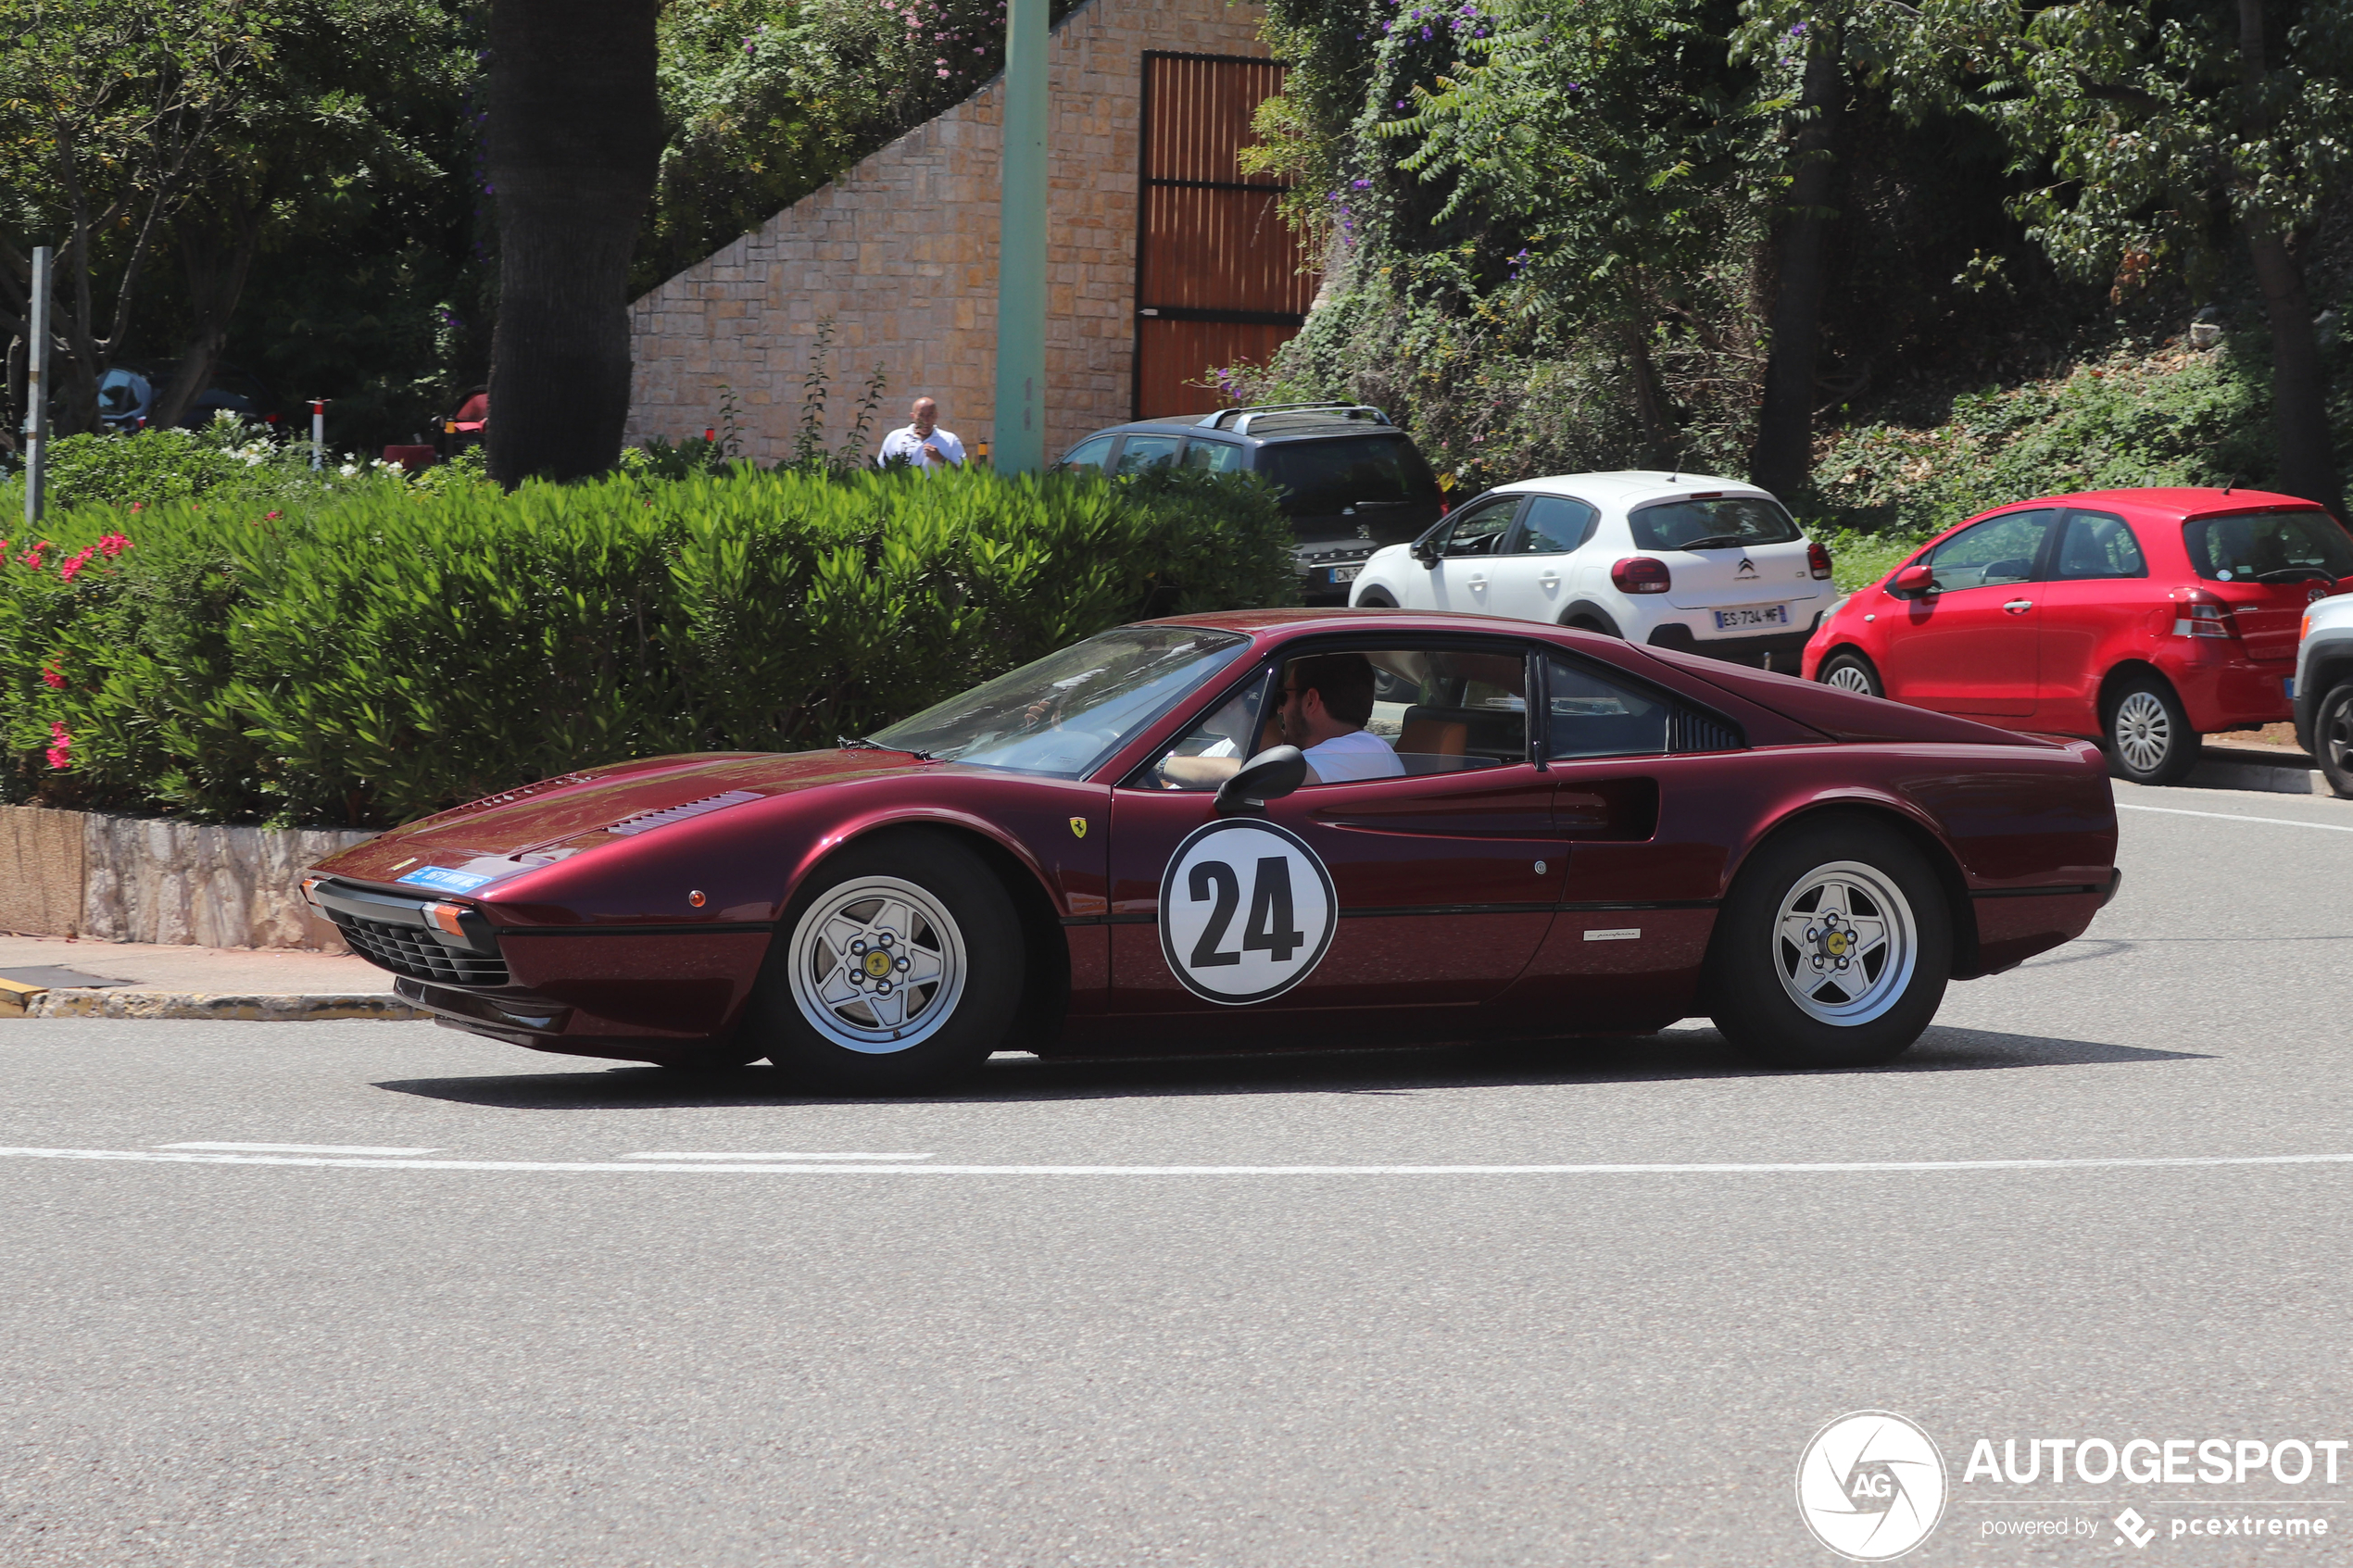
<point>878,964</point>
<point>1836,943</point>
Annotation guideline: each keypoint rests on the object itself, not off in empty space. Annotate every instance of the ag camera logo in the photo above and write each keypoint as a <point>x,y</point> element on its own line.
<point>1870,1486</point>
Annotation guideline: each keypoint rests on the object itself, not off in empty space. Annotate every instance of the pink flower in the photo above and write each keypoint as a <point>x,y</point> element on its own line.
<point>138,506</point>
<point>272,517</point>
<point>60,754</point>
<point>49,673</point>
<point>112,544</point>
<point>75,562</point>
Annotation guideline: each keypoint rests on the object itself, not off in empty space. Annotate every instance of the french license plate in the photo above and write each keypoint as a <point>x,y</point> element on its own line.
<point>1346,573</point>
<point>1756,615</point>
<point>2287,684</point>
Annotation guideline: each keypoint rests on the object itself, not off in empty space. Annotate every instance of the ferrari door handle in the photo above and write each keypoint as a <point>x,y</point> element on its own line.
<point>2018,607</point>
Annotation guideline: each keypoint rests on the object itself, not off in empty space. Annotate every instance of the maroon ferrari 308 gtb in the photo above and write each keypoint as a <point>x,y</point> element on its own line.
<point>1270,829</point>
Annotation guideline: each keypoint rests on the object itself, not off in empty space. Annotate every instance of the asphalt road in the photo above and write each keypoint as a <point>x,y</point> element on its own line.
<point>2043,1223</point>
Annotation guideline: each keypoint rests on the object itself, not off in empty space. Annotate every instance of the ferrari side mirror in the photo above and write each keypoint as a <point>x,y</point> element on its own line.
<point>1270,775</point>
<point>1915,578</point>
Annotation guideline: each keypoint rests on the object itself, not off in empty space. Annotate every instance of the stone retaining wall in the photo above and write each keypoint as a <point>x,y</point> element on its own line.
<point>130,879</point>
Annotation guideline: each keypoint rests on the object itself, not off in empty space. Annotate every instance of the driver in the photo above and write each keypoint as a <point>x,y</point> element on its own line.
<point>1324,703</point>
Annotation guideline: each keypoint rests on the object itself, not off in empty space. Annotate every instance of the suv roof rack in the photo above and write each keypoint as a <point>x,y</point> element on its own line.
<point>1242,417</point>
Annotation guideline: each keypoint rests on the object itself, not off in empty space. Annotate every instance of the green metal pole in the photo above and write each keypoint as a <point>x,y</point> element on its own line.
<point>1020,424</point>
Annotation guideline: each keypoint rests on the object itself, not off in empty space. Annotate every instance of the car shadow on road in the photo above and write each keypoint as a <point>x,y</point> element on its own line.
<point>1672,1054</point>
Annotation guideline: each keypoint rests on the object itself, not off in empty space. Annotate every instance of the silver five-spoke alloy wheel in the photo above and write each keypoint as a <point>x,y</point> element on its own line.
<point>878,965</point>
<point>2144,730</point>
<point>1849,677</point>
<point>1845,943</point>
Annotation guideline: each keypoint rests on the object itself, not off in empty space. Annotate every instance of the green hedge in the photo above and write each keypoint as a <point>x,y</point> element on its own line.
<point>386,653</point>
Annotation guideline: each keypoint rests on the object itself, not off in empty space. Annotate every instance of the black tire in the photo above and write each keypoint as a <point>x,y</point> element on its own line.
<point>1882,879</point>
<point>977,989</point>
<point>2333,737</point>
<point>1375,599</point>
<point>2146,734</point>
<point>1586,619</point>
<point>1851,672</point>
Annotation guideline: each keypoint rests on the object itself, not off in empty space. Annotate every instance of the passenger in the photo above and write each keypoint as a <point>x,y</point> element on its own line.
<point>1325,704</point>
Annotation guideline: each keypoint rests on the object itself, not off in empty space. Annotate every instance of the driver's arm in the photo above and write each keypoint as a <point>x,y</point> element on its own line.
<point>1198,772</point>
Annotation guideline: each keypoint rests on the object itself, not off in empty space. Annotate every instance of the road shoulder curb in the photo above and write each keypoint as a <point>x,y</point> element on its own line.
<point>238,1006</point>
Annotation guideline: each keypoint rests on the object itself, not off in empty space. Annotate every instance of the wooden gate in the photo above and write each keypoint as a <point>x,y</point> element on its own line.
<point>1218,277</point>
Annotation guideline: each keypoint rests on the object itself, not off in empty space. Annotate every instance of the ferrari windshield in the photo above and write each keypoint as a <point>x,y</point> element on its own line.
<point>1067,713</point>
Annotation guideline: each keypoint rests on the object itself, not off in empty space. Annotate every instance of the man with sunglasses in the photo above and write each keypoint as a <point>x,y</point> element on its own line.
<point>1323,707</point>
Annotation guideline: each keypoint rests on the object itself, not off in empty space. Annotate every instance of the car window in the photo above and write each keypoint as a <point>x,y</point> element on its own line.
<point>1555,525</point>
<point>1724,522</point>
<point>1480,529</point>
<point>2001,549</point>
<point>1141,452</point>
<point>2268,547</point>
<point>1089,453</point>
<point>1595,716</point>
<point>1213,457</point>
<point>1064,714</point>
<point>2097,545</point>
<point>1412,710</point>
<point>1319,478</point>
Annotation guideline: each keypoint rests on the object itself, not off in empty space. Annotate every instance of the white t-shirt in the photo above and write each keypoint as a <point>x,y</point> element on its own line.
<point>1359,754</point>
<point>904,443</point>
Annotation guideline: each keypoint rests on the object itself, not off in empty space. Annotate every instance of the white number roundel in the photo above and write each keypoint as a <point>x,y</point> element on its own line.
<point>1246,911</point>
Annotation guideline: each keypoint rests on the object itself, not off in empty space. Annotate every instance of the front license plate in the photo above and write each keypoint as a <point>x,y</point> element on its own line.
<point>1759,615</point>
<point>1346,573</point>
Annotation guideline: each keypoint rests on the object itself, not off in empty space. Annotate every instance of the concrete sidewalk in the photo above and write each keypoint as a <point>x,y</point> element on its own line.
<point>182,981</point>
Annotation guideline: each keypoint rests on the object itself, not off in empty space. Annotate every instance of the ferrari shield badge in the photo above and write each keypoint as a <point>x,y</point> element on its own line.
<point>1079,827</point>
<point>1246,911</point>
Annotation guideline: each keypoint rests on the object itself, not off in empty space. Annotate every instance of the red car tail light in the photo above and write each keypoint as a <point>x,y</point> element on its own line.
<point>1640,574</point>
<point>2205,616</point>
<point>1818,557</point>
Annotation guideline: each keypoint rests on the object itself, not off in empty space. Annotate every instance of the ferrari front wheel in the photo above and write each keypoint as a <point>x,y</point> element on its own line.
<point>896,969</point>
<point>1834,948</point>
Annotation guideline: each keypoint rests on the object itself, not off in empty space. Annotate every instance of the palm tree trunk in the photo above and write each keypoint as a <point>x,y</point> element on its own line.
<point>575,133</point>
<point>2299,391</point>
<point>1783,455</point>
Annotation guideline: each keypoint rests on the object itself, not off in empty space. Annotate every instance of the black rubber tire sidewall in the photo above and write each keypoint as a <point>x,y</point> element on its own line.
<point>2338,701</point>
<point>1837,659</point>
<point>2180,757</point>
<point>1746,996</point>
<point>995,967</point>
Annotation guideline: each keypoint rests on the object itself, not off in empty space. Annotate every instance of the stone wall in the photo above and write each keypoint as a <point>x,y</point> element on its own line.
<point>127,879</point>
<point>901,253</point>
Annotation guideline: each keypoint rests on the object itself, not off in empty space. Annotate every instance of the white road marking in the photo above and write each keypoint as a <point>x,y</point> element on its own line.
<point>1710,1169</point>
<point>2235,816</point>
<point>881,1157</point>
<point>297,1147</point>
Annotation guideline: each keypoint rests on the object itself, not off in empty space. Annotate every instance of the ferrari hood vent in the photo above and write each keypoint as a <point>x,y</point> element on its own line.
<point>648,820</point>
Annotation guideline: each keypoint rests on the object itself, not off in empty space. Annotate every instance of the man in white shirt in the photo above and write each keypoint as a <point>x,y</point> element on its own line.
<point>1324,702</point>
<point>923,443</point>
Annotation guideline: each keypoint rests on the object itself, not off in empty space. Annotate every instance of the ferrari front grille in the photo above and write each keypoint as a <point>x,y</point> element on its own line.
<point>409,951</point>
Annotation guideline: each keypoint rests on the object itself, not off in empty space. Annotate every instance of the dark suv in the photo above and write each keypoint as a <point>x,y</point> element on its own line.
<point>1350,481</point>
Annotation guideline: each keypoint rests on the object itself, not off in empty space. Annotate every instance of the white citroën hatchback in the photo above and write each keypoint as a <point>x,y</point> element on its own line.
<point>1686,561</point>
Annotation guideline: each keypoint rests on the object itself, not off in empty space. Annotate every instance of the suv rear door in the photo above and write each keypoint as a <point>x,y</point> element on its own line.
<point>1369,486</point>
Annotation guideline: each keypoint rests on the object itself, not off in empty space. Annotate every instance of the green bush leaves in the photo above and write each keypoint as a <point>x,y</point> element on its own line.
<point>389,653</point>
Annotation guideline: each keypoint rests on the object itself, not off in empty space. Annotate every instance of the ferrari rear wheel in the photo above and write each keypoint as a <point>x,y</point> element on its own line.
<point>1834,948</point>
<point>897,968</point>
<point>1850,671</point>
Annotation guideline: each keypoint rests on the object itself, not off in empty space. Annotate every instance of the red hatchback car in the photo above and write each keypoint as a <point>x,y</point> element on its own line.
<point>2145,619</point>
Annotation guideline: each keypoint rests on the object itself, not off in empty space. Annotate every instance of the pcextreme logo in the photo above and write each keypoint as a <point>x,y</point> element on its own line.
<point>1870,1486</point>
